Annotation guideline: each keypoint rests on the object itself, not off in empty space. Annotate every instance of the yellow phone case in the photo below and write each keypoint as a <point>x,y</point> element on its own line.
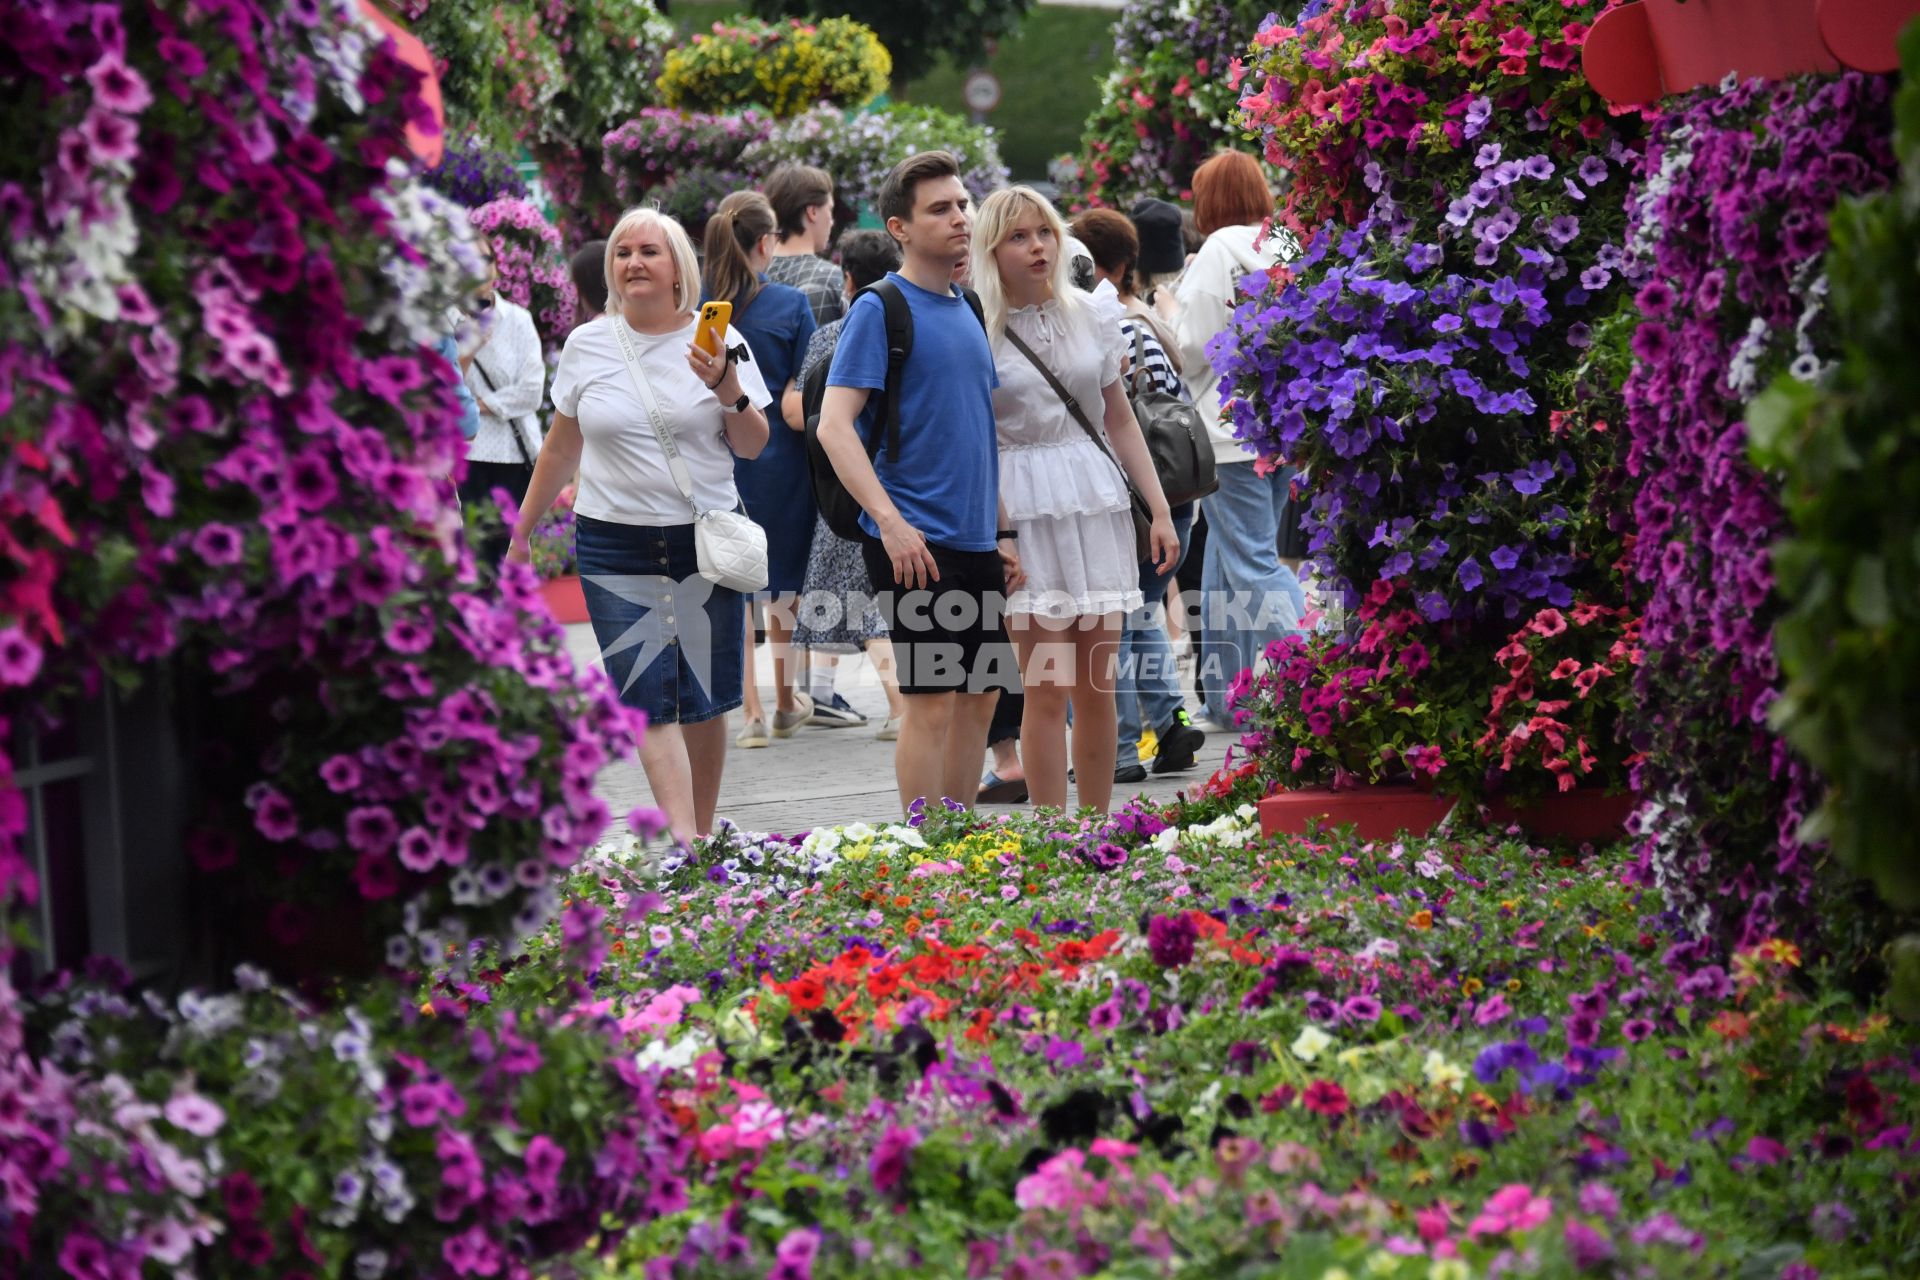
<point>712,333</point>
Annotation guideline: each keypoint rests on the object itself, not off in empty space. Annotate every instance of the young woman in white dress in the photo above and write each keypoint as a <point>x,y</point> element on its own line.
<point>1064,495</point>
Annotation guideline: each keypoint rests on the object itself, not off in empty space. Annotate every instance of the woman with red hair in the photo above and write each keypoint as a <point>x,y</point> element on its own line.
<point>1249,597</point>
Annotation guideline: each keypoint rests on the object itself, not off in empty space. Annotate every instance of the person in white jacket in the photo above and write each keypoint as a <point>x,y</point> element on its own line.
<point>1249,597</point>
<point>507,374</point>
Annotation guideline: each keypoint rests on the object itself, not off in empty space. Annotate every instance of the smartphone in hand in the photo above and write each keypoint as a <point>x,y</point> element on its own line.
<point>711,336</point>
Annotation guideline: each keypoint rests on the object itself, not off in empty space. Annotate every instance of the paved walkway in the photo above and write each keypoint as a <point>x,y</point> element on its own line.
<point>826,776</point>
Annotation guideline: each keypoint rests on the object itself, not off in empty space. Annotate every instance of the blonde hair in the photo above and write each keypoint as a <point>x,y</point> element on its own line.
<point>686,265</point>
<point>999,214</point>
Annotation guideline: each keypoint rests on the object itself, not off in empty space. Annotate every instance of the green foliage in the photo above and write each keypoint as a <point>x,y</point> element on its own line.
<point>1050,72</point>
<point>1847,448</point>
<point>919,33</point>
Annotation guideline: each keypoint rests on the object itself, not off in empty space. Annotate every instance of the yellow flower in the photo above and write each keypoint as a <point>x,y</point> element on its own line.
<point>1471,987</point>
<point>1310,1042</point>
<point>1442,1074</point>
<point>1448,1269</point>
<point>1780,951</point>
<point>1513,984</point>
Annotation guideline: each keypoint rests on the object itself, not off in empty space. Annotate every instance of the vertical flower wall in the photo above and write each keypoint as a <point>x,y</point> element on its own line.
<point>1430,360</point>
<point>1168,103</point>
<point>1732,215</point>
<point>230,445</point>
<point>550,77</point>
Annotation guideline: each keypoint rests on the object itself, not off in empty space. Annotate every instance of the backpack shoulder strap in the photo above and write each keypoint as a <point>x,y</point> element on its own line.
<point>973,304</point>
<point>899,346</point>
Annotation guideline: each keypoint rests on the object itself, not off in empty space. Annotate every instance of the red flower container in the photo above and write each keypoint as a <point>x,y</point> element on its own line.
<point>1385,810</point>
<point>565,599</point>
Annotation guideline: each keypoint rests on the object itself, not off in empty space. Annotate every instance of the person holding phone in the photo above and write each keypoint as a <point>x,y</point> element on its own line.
<point>634,527</point>
<point>777,324</point>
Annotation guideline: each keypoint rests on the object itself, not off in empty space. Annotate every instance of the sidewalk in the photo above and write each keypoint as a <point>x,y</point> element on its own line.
<point>827,776</point>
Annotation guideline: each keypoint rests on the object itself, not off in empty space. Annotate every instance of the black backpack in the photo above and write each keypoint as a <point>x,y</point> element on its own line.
<point>837,506</point>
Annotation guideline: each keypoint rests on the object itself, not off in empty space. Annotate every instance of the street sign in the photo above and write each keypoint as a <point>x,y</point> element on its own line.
<point>982,90</point>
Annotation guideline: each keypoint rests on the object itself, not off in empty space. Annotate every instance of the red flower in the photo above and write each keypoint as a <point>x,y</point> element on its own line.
<point>805,992</point>
<point>1326,1098</point>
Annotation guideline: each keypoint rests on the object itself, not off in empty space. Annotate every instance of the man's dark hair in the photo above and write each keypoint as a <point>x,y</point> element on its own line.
<point>868,255</point>
<point>589,270</point>
<point>792,189</point>
<point>896,193</point>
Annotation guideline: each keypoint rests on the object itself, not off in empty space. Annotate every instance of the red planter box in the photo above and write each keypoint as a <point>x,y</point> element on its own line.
<point>565,599</point>
<point>1383,812</point>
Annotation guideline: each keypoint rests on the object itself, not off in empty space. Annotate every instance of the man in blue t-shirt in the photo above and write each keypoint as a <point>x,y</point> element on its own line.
<point>939,549</point>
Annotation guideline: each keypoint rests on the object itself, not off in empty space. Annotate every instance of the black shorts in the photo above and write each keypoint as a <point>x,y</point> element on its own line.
<point>950,636</point>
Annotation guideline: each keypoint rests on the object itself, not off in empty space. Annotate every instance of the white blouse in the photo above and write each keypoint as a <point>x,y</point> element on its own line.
<point>507,375</point>
<point>1048,466</point>
<point>624,477</point>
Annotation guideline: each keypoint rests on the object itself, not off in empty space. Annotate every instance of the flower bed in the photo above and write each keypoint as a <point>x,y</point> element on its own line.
<point>996,1048</point>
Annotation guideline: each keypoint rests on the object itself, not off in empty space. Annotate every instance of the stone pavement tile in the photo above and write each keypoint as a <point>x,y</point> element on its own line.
<point>828,776</point>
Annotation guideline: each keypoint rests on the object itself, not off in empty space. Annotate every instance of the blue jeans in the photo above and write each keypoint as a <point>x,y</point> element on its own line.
<point>673,643</point>
<point>1248,597</point>
<point>1149,685</point>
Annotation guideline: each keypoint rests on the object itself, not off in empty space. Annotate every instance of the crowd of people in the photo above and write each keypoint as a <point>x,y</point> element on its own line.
<point>1016,580</point>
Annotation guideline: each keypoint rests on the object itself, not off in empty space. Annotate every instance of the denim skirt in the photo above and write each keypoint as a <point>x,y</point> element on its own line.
<point>672,641</point>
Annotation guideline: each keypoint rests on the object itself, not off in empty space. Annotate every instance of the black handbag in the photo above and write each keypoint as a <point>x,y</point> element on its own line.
<point>1177,439</point>
<point>1142,519</point>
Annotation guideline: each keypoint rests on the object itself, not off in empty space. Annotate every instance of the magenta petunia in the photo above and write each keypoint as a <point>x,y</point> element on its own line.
<point>118,87</point>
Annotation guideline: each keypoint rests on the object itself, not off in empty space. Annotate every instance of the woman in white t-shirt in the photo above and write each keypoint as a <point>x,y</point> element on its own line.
<point>671,640</point>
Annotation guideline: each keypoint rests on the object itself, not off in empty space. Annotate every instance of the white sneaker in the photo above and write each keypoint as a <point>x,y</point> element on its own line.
<point>753,734</point>
<point>890,731</point>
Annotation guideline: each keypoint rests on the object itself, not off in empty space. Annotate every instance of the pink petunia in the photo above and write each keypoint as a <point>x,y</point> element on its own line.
<point>110,137</point>
<point>19,657</point>
<point>195,1114</point>
<point>118,87</point>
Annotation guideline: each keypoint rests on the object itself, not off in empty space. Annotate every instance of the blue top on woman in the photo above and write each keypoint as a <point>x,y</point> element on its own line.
<point>776,487</point>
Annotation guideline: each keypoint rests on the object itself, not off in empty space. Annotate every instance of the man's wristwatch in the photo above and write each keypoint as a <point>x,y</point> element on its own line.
<point>1007,535</point>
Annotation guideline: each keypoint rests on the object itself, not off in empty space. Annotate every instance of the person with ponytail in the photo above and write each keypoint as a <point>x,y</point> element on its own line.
<point>777,323</point>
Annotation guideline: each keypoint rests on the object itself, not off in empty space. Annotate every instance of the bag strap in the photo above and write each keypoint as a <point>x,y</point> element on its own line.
<point>899,326</point>
<point>1073,407</point>
<point>681,476</point>
<point>513,428</point>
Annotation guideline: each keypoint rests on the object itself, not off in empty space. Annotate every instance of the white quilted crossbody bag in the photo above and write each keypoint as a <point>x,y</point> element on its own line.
<point>730,549</point>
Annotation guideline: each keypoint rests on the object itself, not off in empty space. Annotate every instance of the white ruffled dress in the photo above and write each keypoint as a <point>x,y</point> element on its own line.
<point>1066,500</point>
